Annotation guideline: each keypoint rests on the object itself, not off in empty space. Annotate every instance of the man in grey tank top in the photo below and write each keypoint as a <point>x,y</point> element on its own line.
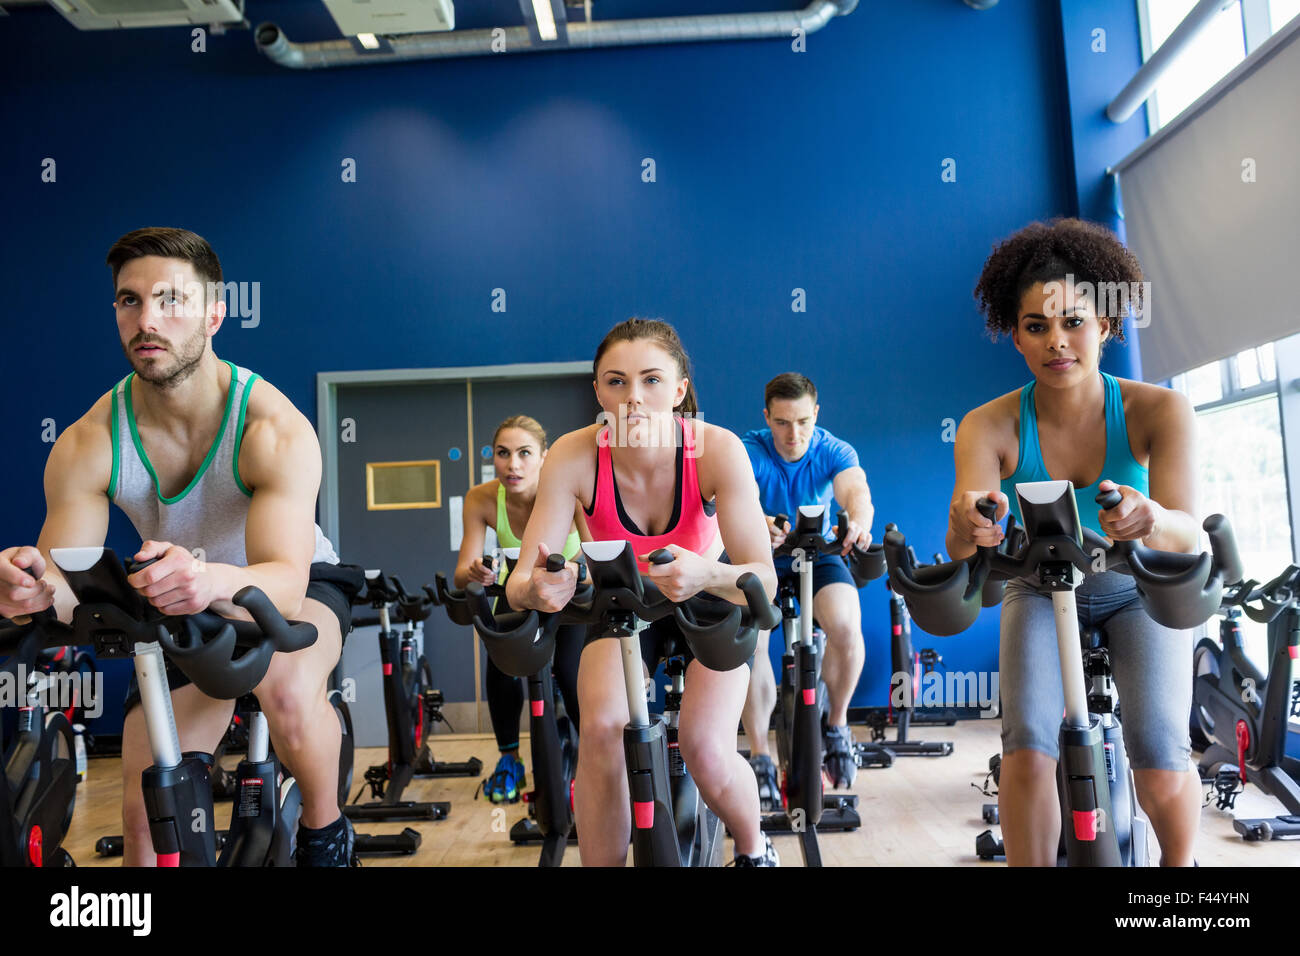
<point>219,473</point>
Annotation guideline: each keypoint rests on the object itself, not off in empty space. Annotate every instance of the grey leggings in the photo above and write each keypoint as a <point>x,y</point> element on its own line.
<point>1152,667</point>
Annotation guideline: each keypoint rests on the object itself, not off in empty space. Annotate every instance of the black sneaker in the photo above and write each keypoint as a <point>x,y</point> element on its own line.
<point>329,846</point>
<point>767,858</point>
<point>837,756</point>
<point>769,791</point>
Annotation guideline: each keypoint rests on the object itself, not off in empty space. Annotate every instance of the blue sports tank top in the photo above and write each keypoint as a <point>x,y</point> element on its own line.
<point>1120,466</point>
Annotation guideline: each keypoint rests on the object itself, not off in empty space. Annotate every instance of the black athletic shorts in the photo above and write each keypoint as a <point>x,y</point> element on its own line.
<point>332,584</point>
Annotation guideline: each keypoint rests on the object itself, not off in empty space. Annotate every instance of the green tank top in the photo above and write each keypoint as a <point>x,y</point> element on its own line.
<point>506,537</point>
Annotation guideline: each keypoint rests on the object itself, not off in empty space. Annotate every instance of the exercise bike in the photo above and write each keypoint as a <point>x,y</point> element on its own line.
<point>909,666</point>
<point>1100,821</point>
<point>553,740</point>
<point>225,659</point>
<point>39,791</point>
<point>802,698</point>
<point>1243,713</point>
<point>409,701</point>
<point>672,826</point>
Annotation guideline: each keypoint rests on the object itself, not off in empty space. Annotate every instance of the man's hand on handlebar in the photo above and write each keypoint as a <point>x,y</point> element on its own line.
<point>177,583</point>
<point>682,578</point>
<point>23,588</point>
<point>480,572</point>
<point>551,590</point>
<point>776,532</point>
<point>1135,518</point>
<point>968,524</point>
<point>858,537</point>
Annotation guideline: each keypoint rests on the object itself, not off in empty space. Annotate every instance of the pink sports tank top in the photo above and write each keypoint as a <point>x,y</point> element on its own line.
<point>693,525</point>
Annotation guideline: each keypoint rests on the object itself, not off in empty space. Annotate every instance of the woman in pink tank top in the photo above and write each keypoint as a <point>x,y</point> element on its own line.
<point>653,474</point>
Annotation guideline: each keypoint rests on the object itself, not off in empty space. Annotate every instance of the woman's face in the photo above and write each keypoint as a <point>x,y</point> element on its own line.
<point>518,460</point>
<point>638,387</point>
<point>1059,334</point>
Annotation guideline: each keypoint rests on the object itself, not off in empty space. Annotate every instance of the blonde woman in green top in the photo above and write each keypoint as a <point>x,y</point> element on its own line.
<point>505,504</point>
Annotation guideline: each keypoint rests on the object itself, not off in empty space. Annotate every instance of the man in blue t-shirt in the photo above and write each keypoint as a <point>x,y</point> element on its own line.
<point>797,463</point>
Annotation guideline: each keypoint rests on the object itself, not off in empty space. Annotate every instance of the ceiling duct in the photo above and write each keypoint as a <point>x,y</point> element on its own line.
<point>605,33</point>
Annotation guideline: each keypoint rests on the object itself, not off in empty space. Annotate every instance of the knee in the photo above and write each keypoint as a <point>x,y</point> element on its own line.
<point>1161,785</point>
<point>601,741</point>
<point>289,706</point>
<point>1025,766</point>
<point>706,756</point>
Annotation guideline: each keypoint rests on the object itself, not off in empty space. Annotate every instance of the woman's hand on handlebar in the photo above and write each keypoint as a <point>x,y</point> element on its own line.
<point>23,588</point>
<point>967,524</point>
<point>480,572</point>
<point>682,578</point>
<point>1135,517</point>
<point>551,590</point>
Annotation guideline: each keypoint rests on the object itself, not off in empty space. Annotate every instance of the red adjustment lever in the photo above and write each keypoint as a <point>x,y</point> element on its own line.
<point>539,707</point>
<point>1243,744</point>
<point>644,811</point>
<point>35,849</point>
<point>809,696</point>
<point>1085,825</point>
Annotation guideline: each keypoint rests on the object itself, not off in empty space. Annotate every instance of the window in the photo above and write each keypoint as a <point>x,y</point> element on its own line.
<point>1210,57</point>
<point>1241,465</point>
<point>1234,31</point>
<point>1282,12</point>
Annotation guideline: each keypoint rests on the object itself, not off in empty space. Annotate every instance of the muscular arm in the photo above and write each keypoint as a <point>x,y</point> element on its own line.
<point>473,520</point>
<point>553,515</point>
<point>76,499</point>
<point>978,470</point>
<point>1172,473</point>
<point>851,491</point>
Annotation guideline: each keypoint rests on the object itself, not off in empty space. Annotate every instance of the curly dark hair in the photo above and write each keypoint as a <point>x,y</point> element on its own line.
<point>1043,252</point>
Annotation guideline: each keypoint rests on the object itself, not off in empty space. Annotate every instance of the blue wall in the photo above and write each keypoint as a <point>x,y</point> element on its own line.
<point>775,170</point>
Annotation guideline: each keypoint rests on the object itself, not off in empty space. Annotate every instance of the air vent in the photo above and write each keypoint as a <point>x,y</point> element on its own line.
<point>125,14</point>
<point>389,17</point>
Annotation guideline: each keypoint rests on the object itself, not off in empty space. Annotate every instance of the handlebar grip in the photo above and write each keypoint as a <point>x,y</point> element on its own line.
<point>1223,543</point>
<point>781,521</point>
<point>488,562</point>
<point>284,636</point>
<point>554,562</point>
<point>763,613</point>
<point>1109,499</point>
<point>841,527</point>
<point>987,508</point>
<point>432,595</point>
<point>397,585</point>
<point>661,556</point>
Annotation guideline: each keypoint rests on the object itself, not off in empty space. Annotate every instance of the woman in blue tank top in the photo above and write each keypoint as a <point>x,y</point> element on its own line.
<point>1074,422</point>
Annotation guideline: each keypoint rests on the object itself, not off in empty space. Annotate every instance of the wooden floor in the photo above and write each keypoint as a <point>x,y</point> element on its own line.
<point>923,811</point>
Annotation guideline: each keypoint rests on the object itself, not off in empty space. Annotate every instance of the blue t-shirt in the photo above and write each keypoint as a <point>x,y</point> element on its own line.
<point>785,485</point>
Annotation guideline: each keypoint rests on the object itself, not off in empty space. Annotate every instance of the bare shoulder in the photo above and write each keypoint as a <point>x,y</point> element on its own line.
<point>275,435</point>
<point>1152,402</point>
<point>482,498</point>
<point>574,449</point>
<point>83,454</point>
<point>715,442</point>
<point>996,419</point>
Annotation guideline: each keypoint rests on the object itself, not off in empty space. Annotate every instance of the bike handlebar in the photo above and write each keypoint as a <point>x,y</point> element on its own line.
<point>865,564</point>
<point>720,634</point>
<point>1178,590</point>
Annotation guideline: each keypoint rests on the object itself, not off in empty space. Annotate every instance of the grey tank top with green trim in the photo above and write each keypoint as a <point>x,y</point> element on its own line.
<point>210,514</point>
